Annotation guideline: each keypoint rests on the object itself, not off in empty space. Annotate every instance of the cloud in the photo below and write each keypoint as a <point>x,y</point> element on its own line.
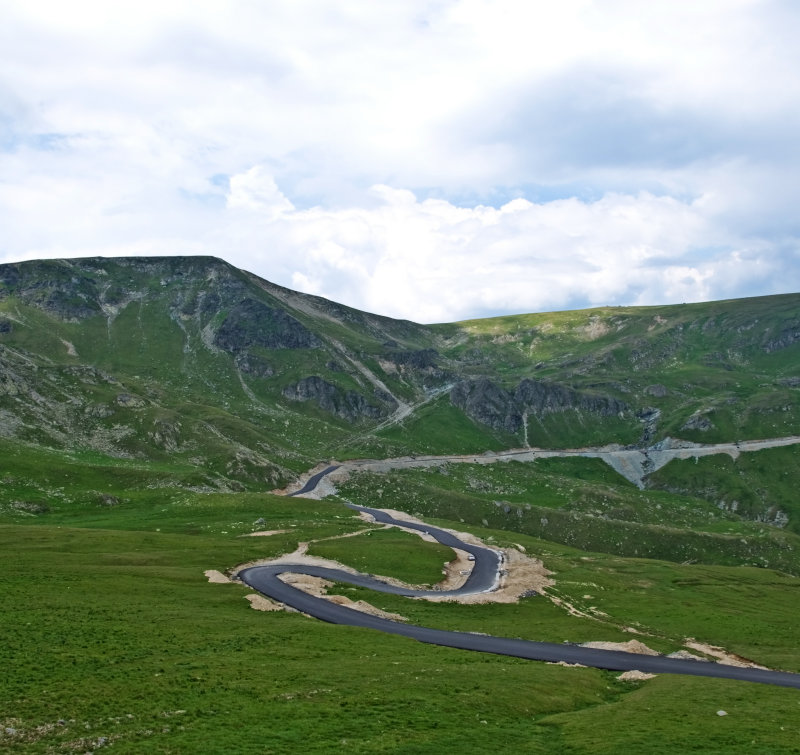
<point>256,190</point>
<point>430,159</point>
<point>431,260</point>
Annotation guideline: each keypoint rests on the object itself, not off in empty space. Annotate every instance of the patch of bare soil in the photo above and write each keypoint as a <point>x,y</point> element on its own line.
<point>264,533</point>
<point>635,676</point>
<point>631,646</point>
<point>351,534</point>
<point>262,603</point>
<point>298,556</point>
<point>722,655</point>
<point>590,612</point>
<point>456,571</point>
<point>522,574</point>
<point>217,577</point>
<point>318,587</point>
<point>685,655</point>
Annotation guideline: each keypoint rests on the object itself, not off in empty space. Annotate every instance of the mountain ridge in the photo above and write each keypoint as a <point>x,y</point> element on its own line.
<point>149,357</point>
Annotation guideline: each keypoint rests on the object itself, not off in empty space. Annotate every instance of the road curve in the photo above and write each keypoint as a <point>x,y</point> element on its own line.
<point>484,575</point>
<point>313,481</point>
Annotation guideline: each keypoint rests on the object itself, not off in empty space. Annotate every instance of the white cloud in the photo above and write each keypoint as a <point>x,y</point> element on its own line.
<point>430,159</point>
<point>256,190</point>
<point>431,260</point>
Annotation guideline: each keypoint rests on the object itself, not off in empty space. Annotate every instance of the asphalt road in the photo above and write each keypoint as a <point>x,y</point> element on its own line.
<point>266,579</point>
<point>313,481</point>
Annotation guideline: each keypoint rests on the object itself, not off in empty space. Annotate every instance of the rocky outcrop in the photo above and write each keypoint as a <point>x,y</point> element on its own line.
<point>486,403</point>
<point>501,409</point>
<point>165,434</point>
<point>417,366</point>
<point>788,336</point>
<point>254,365</point>
<point>347,405</point>
<point>698,421</point>
<point>253,323</point>
<point>420,359</point>
<point>540,397</point>
<point>58,288</point>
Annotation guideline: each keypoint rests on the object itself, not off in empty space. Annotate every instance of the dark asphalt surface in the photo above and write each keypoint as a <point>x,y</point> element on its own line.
<point>313,481</point>
<point>266,580</point>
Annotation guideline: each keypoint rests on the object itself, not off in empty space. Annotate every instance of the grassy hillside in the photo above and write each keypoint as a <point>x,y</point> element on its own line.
<point>115,638</point>
<point>190,358</point>
<point>761,486</point>
<point>584,504</point>
<point>148,406</point>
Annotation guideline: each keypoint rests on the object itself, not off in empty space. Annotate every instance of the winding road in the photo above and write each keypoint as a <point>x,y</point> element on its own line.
<point>483,578</point>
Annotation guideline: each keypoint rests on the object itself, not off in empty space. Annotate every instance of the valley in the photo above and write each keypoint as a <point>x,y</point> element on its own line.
<point>154,412</point>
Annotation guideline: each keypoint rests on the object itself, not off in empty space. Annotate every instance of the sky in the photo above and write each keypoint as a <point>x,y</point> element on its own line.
<point>434,160</point>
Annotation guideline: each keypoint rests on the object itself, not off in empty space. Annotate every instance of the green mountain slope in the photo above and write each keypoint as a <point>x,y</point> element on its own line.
<point>192,360</point>
<point>148,405</point>
<point>243,384</point>
<point>166,356</point>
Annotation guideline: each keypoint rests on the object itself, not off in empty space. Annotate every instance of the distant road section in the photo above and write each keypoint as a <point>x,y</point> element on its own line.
<point>632,463</point>
<point>313,481</point>
<point>483,577</point>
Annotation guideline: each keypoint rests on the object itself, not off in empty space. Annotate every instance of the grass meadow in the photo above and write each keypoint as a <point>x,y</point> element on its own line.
<point>114,638</point>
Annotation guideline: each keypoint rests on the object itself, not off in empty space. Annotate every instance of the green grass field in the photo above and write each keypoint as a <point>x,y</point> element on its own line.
<point>584,504</point>
<point>136,449</point>
<point>115,638</point>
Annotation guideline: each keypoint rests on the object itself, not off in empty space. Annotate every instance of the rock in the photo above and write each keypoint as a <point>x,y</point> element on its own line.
<point>722,713</point>
<point>100,411</point>
<point>30,507</point>
<point>421,359</point>
<point>698,422</point>
<point>491,405</point>
<point>541,397</point>
<point>486,403</point>
<point>59,288</point>
<point>258,522</point>
<point>253,323</point>
<point>106,499</point>
<point>252,364</point>
<point>132,402</point>
<point>657,390</point>
<point>789,335</point>
<point>166,434</point>
<point>5,326</point>
<point>347,405</point>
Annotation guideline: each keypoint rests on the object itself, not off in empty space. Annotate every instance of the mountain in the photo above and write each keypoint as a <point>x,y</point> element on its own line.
<point>190,359</point>
<point>149,405</point>
<point>230,382</point>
